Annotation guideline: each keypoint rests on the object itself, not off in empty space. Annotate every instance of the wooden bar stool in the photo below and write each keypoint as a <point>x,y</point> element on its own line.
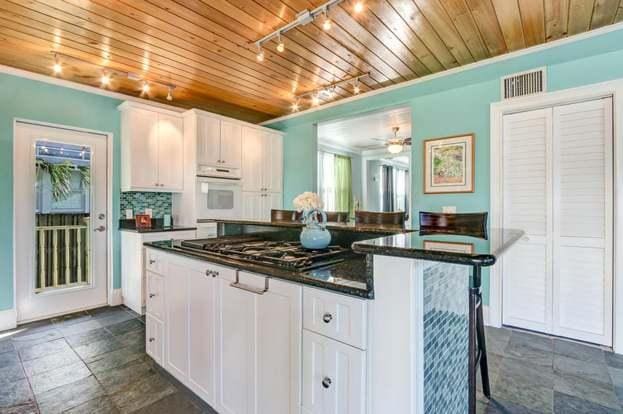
<point>372,218</point>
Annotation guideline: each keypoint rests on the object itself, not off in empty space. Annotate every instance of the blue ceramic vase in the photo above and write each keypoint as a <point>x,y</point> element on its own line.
<point>314,235</point>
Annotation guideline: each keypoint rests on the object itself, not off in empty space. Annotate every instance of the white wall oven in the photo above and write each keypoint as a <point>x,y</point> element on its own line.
<point>218,198</point>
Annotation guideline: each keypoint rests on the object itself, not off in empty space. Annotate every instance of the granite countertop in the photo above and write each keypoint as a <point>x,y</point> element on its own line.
<point>443,247</point>
<point>353,276</point>
<point>350,227</point>
<point>158,229</point>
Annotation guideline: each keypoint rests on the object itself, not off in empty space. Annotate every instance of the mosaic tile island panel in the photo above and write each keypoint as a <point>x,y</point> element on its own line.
<point>160,203</point>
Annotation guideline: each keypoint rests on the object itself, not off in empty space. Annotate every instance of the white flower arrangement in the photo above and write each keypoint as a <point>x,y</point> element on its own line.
<point>307,201</point>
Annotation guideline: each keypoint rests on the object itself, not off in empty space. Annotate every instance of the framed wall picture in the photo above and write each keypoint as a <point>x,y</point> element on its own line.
<point>449,165</point>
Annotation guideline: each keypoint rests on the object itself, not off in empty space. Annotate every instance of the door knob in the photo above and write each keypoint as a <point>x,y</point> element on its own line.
<point>100,228</point>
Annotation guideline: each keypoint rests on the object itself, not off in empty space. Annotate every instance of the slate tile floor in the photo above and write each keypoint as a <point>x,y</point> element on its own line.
<point>532,373</point>
<point>90,362</point>
<point>94,362</point>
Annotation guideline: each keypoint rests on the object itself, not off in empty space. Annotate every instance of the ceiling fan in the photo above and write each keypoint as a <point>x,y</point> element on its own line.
<point>395,144</point>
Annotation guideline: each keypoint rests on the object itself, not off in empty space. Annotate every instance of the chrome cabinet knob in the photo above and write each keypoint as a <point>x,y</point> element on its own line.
<point>326,382</point>
<point>100,228</point>
<point>152,261</point>
<point>327,317</point>
<point>152,339</point>
<point>152,295</point>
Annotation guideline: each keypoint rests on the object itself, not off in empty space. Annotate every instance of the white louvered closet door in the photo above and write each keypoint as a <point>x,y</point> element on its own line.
<point>527,203</point>
<point>582,231</point>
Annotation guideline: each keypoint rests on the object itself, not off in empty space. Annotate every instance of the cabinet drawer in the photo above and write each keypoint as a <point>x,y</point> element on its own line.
<point>155,262</point>
<point>337,316</point>
<point>155,299</point>
<point>334,376</point>
<point>154,338</point>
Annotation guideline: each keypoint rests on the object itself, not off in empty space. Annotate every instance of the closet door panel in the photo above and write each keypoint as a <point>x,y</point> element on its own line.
<point>583,221</point>
<point>527,281</point>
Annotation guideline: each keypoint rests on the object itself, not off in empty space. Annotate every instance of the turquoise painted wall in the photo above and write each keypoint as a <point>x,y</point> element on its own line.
<point>450,105</point>
<point>37,101</point>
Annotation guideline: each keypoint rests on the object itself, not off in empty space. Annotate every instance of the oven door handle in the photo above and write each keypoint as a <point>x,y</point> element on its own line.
<point>248,288</point>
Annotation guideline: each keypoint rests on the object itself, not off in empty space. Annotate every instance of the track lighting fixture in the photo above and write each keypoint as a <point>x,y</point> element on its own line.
<point>105,79</point>
<point>358,7</point>
<point>145,87</point>
<point>330,91</point>
<point>356,88</point>
<point>280,45</point>
<point>170,93</point>
<point>315,99</point>
<point>295,106</point>
<point>260,53</point>
<point>326,25</point>
<point>57,65</point>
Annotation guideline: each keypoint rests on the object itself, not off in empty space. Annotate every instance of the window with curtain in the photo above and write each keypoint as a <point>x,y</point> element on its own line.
<point>335,181</point>
<point>394,188</point>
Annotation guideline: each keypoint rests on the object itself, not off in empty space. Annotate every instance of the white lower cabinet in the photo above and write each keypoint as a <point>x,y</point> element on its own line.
<point>154,337</point>
<point>333,376</point>
<point>259,345</point>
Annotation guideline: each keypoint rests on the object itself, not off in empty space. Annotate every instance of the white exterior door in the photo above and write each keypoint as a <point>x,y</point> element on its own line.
<point>61,216</point>
<point>558,188</point>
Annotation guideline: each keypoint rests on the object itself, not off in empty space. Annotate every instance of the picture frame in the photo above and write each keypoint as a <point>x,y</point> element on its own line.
<point>449,164</point>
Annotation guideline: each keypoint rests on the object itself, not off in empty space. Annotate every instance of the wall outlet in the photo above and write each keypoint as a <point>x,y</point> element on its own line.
<point>149,212</point>
<point>129,214</point>
<point>448,209</point>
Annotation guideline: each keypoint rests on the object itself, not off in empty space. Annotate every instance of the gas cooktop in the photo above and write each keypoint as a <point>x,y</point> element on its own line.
<point>282,254</point>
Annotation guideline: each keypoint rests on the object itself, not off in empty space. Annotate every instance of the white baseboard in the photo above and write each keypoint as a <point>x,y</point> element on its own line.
<point>8,319</point>
<point>116,298</point>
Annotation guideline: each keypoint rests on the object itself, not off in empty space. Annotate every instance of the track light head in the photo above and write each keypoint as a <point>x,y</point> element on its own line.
<point>280,45</point>
<point>315,99</point>
<point>260,53</point>
<point>358,7</point>
<point>105,79</point>
<point>145,88</point>
<point>57,68</point>
<point>170,93</point>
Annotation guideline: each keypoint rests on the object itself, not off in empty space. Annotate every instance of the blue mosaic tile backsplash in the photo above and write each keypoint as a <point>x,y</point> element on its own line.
<point>160,203</point>
<point>446,317</point>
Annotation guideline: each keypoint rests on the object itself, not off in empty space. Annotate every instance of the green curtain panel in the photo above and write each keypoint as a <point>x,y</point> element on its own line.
<point>343,184</point>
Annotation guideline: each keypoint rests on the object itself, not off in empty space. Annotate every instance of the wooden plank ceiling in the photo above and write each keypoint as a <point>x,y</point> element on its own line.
<point>205,47</point>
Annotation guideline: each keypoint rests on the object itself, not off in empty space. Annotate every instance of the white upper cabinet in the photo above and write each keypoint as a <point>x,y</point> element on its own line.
<point>219,142</point>
<point>152,149</point>
<point>262,161</point>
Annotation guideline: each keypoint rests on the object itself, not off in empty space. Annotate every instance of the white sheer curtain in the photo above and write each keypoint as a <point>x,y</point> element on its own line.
<point>326,179</point>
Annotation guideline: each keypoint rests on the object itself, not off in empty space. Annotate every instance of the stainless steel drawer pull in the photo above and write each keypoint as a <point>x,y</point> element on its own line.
<point>327,317</point>
<point>152,339</point>
<point>252,289</point>
<point>326,382</point>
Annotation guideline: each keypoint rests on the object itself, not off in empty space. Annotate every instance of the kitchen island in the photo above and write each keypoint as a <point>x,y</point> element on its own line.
<point>384,327</point>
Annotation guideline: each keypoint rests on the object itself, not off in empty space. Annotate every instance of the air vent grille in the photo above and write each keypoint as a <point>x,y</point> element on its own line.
<point>524,83</point>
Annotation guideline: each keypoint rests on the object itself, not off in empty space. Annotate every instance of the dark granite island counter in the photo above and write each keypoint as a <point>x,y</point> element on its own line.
<point>440,275</point>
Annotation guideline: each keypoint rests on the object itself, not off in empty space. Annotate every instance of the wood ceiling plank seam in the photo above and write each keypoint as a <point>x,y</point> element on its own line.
<point>487,25</point>
<point>439,19</point>
<point>619,15</point>
<point>507,12</point>
<point>370,22</point>
<point>131,49</point>
<point>294,53</point>
<point>289,55</point>
<point>533,21</point>
<point>484,16</point>
<point>604,13</point>
<point>321,38</point>
<point>181,101</point>
<point>419,24</point>
<point>392,20</point>
<point>153,39</point>
<point>580,15</point>
<point>244,53</point>
<point>121,65</point>
<point>465,26</point>
<point>556,19</point>
<point>353,43</point>
<point>356,30</point>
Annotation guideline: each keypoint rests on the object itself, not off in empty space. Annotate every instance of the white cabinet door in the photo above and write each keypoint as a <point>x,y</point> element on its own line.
<point>583,221</point>
<point>252,205</point>
<point>272,157</point>
<point>231,144</point>
<point>234,349</point>
<point>527,292</point>
<point>277,346</point>
<point>176,321</point>
<point>270,201</point>
<point>170,153</point>
<point>333,376</point>
<point>252,160</point>
<point>208,140</point>
<point>202,329</point>
<point>154,338</point>
<point>141,127</point>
